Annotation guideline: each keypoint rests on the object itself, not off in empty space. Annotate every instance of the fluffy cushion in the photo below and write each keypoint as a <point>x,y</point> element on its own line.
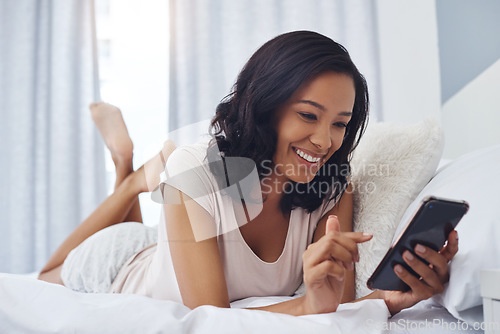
<point>391,165</point>
<point>475,178</point>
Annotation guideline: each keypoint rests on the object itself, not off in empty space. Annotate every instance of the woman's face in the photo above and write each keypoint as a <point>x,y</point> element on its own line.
<point>311,125</point>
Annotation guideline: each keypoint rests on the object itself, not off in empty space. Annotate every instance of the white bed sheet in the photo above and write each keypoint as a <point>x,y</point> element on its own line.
<point>31,306</point>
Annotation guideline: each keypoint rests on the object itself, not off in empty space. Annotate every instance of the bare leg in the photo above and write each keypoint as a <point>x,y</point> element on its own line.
<point>109,121</point>
<point>112,211</point>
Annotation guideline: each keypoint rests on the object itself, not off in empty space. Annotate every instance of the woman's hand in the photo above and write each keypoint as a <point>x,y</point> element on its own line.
<point>325,263</point>
<point>433,276</point>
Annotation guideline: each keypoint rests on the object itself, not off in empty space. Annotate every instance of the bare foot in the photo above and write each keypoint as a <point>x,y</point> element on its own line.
<point>149,173</point>
<point>109,121</point>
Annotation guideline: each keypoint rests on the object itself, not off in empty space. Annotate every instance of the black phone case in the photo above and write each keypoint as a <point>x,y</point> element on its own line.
<point>430,226</point>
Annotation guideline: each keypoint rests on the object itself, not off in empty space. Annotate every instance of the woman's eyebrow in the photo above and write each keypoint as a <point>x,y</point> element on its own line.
<point>314,104</point>
<point>345,113</point>
<point>322,108</point>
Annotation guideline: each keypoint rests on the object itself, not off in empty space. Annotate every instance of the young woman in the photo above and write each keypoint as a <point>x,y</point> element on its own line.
<point>297,110</point>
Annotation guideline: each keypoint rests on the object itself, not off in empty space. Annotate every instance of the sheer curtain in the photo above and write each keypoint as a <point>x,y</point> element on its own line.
<point>212,40</point>
<point>52,168</point>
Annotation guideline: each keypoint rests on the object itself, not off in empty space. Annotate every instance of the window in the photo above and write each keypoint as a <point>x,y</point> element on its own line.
<point>133,69</point>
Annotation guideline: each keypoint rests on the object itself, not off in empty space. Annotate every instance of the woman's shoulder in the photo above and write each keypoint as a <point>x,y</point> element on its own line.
<point>198,149</point>
<point>187,157</point>
<point>188,171</point>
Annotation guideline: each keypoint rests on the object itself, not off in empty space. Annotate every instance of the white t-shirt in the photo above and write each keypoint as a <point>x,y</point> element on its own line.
<point>151,272</point>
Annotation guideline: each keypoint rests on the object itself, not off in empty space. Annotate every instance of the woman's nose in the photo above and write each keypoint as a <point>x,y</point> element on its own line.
<point>321,138</point>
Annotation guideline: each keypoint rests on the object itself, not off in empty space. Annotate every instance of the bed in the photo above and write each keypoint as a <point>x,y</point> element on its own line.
<point>31,306</point>
<point>401,165</point>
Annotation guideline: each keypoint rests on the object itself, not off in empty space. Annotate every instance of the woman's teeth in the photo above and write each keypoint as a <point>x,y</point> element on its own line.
<point>306,156</point>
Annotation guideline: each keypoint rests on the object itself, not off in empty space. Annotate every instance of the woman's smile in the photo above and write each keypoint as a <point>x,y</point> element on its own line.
<point>308,156</point>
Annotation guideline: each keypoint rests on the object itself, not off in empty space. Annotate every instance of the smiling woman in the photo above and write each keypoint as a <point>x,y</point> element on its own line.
<point>299,106</point>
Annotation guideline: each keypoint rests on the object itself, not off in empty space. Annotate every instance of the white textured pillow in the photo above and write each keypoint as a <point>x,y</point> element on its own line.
<point>474,177</point>
<point>391,165</point>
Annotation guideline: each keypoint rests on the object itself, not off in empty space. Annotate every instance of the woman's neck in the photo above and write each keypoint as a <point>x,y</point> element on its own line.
<point>273,187</point>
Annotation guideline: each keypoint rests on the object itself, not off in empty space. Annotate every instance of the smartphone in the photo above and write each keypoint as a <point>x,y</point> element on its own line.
<point>430,226</point>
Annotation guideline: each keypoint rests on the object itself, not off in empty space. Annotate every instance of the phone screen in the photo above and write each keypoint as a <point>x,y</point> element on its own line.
<point>430,226</point>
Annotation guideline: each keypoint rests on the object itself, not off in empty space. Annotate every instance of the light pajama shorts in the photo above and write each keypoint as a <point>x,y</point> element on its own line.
<point>94,264</point>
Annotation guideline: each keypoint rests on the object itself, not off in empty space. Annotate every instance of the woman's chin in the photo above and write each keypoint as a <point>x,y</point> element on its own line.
<point>302,178</point>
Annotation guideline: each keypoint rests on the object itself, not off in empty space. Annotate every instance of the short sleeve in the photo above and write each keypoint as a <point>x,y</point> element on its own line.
<point>187,170</point>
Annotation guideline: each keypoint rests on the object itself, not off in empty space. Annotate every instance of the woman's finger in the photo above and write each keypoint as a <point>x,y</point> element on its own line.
<point>428,275</point>
<point>333,228</point>
<point>326,268</point>
<point>332,224</point>
<point>346,243</point>
<point>326,249</point>
<point>451,247</point>
<point>437,260</point>
<point>341,246</point>
<point>418,287</point>
<point>357,237</point>
<point>349,241</point>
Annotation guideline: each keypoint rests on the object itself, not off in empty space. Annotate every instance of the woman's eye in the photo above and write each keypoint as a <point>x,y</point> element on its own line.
<point>340,124</point>
<point>309,117</point>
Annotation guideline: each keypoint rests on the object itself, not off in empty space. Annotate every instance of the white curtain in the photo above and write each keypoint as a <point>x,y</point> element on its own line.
<point>212,40</point>
<point>52,165</point>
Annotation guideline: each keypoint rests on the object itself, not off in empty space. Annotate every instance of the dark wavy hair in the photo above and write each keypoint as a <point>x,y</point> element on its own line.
<point>243,127</point>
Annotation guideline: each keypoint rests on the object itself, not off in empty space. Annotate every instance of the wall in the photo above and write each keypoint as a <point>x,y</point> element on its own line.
<point>469,45</point>
<point>471,117</point>
<point>425,71</point>
<point>409,60</point>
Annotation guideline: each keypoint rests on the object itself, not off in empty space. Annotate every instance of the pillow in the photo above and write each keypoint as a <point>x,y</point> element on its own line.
<point>390,167</point>
<point>475,178</point>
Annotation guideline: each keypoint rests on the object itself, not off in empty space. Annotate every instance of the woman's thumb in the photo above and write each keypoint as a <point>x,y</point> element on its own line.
<point>332,224</point>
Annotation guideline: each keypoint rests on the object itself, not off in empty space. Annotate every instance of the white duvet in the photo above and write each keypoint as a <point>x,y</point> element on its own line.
<point>31,306</point>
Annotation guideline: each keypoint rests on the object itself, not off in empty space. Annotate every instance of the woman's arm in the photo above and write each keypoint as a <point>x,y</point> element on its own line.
<point>343,210</point>
<point>200,275</point>
<point>195,252</point>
